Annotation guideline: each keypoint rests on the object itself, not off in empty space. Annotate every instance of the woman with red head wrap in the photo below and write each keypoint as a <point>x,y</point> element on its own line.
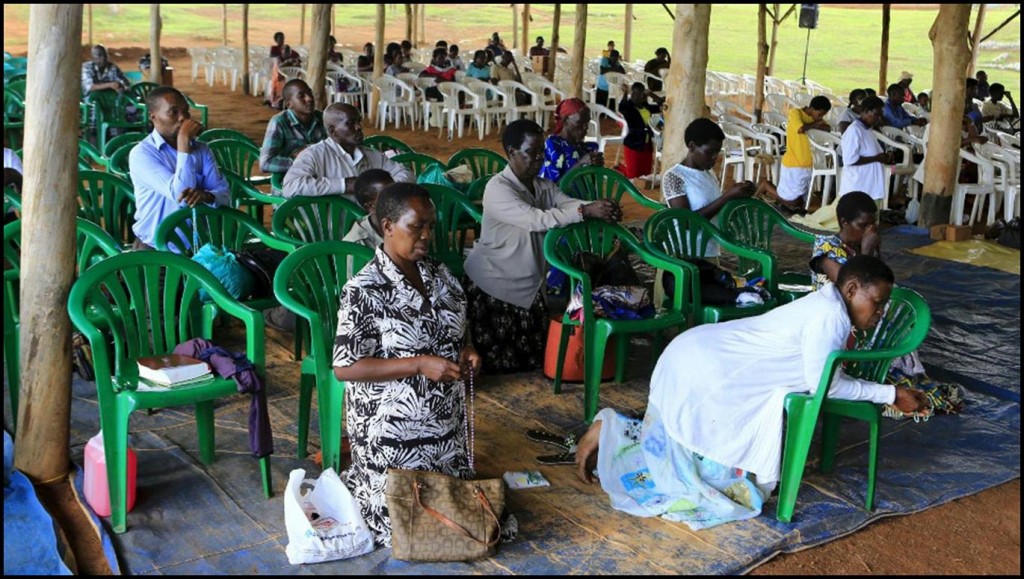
<point>565,148</point>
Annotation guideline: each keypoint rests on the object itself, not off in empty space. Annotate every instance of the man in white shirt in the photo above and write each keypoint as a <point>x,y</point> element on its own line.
<point>331,166</point>
<point>863,159</point>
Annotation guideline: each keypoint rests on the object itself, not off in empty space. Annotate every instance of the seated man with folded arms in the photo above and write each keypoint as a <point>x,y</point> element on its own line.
<point>169,168</point>
<point>289,132</point>
<point>331,166</point>
<point>366,231</point>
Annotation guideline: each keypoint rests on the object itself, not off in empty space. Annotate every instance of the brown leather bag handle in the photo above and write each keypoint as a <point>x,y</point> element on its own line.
<point>480,496</point>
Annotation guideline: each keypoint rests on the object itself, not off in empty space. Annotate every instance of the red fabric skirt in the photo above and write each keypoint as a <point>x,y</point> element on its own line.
<point>637,163</point>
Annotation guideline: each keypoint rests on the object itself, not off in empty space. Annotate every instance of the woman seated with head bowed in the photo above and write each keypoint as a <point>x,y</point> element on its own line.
<point>505,270</point>
<point>709,448</point>
<point>565,148</point>
<point>402,350</point>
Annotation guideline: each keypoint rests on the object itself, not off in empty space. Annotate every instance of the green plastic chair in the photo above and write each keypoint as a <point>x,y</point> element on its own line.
<point>122,140</point>
<point>303,220</point>
<point>118,164</point>
<point>593,183</point>
<point>210,135</point>
<point>309,283</point>
<point>384,143</point>
<point>17,88</point>
<point>417,163</point>
<point>477,188</point>
<point>752,222</point>
<point>681,234</point>
<point>134,76</point>
<point>204,110</point>
<point>12,200</point>
<point>92,246</point>
<point>481,161</point>
<point>456,216</point>
<point>239,157</point>
<point>108,201</point>
<point>248,198</point>
<point>561,244</point>
<point>88,153</point>
<point>115,304</point>
<point>111,113</point>
<point>141,89</point>
<point>901,331</point>
<point>222,226</point>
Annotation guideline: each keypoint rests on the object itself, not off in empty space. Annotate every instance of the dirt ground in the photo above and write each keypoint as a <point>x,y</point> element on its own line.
<point>974,535</point>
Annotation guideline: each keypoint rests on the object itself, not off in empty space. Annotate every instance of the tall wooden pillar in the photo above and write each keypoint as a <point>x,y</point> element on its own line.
<point>378,60</point>
<point>515,26</point>
<point>979,21</point>
<point>89,11</point>
<point>49,194</point>
<point>762,59</point>
<point>627,42</point>
<point>883,69</point>
<point>155,69</point>
<point>579,47</point>
<point>942,163</point>
<point>526,31</point>
<point>774,42</point>
<point>553,59</point>
<point>684,85</point>
<point>246,89</point>
<point>423,23</point>
<point>409,23</point>
<point>224,23</point>
<point>302,26</point>
<point>316,63</point>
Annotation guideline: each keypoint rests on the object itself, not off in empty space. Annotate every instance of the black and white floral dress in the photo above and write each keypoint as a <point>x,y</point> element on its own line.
<point>411,423</point>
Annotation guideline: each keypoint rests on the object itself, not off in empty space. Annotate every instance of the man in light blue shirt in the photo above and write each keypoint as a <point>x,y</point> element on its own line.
<point>895,115</point>
<point>169,168</point>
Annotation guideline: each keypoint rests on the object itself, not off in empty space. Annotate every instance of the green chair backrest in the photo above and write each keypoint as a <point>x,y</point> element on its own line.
<point>17,88</point>
<point>14,106</point>
<point>245,196</point>
<point>222,226</point>
<point>456,215</point>
<point>594,183</point>
<point>111,106</point>
<point>481,161</point>
<point>417,163</point>
<point>901,330</point>
<point>108,201</point>
<point>477,187</point>
<point>304,220</point>
<point>90,154</point>
<point>19,62</point>
<point>679,233</point>
<point>134,76</point>
<point>140,90</point>
<point>215,134</point>
<point>309,282</point>
<point>12,200</point>
<point>239,157</point>
<point>752,222</point>
<point>384,143</point>
<point>120,141</point>
<point>117,164</point>
<point>92,245</point>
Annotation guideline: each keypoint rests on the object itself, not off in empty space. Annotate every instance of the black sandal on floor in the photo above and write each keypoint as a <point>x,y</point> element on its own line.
<point>566,443</point>
<point>554,459</point>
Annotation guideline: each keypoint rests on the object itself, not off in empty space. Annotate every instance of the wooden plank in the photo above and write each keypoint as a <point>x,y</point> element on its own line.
<point>579,47</point>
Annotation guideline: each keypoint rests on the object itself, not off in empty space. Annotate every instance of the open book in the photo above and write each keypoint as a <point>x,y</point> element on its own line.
<point>172,369</point>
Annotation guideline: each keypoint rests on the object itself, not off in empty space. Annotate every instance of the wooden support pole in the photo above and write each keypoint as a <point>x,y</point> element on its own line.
<point>684,85</point>
<point>156,71</point>
<point>302,26</point>
<point>334,20</point>
<point>762,59</point>
<point>49,205</point>
<point>378,61</point>
<point>553,59</point>
<point>316,63</point>
<point>423,23</point>
<point>526,31</point>
<point>579,47</point>
<point>774,42</point>
<point>1000,27</point>
<point>627,42</point>
<point>942,163</point>
<point>515,26</point>
<point>89,8</point>
<point>224,23</point>
<point>883,69</point>
<point>409,22</point>
<point>246,89</point>
<point>979,21</point>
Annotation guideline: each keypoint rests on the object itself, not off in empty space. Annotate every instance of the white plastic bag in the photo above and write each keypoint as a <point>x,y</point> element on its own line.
<point>325,523</point>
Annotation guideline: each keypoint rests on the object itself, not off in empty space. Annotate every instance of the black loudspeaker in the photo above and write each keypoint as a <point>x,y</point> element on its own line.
<point>809,16</point>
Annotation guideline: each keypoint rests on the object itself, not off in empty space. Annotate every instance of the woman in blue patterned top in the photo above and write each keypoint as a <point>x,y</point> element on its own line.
<point>858,235</point>
<point>565,148</point>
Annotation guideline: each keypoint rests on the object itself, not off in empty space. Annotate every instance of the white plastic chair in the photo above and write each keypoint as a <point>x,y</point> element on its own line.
<point>1007,176</point>
<point>198,56</point>
<point>226,63</point>
<point>775,119</point>
<point>779,102</point>
<point>550,95</point>
<point>905,168</point>
<point>724,107</point>
<point>291,72</point>
<point>495,102</point>
<point>984,189</point>
<point>741,149</point>
<point>525,111</point>
<point>456,113</point>
<point>356,89</point>
<point>615,81</point>
<point>397,98</point>
<point>825,154</point>
<point>596,112</point>
<point>1009,141</point>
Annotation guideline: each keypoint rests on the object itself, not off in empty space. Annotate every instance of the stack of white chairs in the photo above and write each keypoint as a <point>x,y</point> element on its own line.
<point>1006,165</point>
<point>198,56</point>
<point>825,152</point>
<point>984,190</point>
<point>227,62</point>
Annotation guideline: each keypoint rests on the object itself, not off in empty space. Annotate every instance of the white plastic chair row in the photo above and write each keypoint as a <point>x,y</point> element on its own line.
<point>825,152</point>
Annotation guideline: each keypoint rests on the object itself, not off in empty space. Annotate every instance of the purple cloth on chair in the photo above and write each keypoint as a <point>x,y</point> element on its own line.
<point>236,366</point>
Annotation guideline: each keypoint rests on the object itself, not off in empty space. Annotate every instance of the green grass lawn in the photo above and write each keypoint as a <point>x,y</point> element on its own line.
<point>843,54</point>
